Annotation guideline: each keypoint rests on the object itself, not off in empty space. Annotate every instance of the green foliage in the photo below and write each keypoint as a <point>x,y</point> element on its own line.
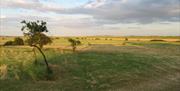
<point>34,27</point>
<point>8,43</point>
<point>74,43</point>
<point>35,32</point>
<point>39,39</point>
<point>17,41</point>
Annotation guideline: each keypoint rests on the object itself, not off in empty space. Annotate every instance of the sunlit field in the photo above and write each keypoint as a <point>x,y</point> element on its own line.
<point>101,63</point>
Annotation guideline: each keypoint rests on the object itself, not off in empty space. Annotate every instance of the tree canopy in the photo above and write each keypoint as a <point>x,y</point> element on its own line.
<point>74,43</point>
<point>35,31</point>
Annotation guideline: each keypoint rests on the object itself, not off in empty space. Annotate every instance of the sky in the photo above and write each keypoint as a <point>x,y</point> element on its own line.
<point>93,17</point>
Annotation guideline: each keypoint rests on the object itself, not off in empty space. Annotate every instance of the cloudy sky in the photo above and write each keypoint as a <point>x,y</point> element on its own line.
<point>93,17</point>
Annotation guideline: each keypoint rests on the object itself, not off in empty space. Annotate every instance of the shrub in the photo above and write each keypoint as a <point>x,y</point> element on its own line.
<point>157,40</point>
<point>126,39</point>
<point>18,41</point>
<point>97,38</point>
<point>124,43</point>
<point>8,43</point>
<point>39,39</point>
<point>57,38</point>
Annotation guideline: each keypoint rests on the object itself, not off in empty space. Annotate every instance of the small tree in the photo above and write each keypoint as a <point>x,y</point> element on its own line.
<point>36,37</point>
<point>125,40</point>
<point>74,43</point>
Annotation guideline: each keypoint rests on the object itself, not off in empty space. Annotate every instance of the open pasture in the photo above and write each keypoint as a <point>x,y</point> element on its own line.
<point>100,64</point>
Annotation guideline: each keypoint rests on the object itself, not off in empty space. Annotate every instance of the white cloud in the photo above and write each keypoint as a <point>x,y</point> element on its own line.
<point>95,4</point>
<point>110,11</point>
<point>126,11</point>
<point>119,16</point>
<point>30,5</point>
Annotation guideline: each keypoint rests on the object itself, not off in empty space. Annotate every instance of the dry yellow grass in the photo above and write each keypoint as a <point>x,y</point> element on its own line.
<point>3,71</point>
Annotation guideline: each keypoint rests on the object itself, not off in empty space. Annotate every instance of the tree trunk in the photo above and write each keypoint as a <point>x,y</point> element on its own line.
<point>35,56</point>
<point>47,65</point>
<point>74,49</point>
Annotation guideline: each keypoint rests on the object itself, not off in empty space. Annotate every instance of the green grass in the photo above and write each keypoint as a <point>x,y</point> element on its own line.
<point>137,66</point>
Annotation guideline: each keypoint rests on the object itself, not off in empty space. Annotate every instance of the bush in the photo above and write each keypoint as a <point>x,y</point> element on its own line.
<point>124,43</point>
<point>157,40</point>
<point>126,39</point>
<point>97,38</point>
<point>57,38</point>
<point>18,41</point>
<point>39,39</point>
<point>8,43</point>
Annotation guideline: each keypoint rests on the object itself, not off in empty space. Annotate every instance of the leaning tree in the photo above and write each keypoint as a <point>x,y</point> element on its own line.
<point>36,37</point>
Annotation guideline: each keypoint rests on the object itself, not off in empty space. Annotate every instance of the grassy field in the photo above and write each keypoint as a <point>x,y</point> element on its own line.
<point>100,64</point>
